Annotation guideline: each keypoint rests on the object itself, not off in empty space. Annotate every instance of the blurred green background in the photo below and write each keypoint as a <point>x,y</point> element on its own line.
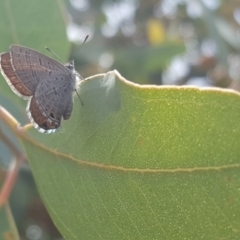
<point>163,42</point>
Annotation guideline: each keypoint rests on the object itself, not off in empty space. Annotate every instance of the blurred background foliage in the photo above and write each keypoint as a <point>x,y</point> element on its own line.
<point>163,42</point>
<point>193,42</point>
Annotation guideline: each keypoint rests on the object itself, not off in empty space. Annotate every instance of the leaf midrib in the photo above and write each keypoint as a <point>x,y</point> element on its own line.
<point>23,135</point>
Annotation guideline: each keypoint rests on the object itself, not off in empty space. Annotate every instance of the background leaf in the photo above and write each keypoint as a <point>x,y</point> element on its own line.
<point>35,24</point>
<point>142,162</point>
<point>7,227</point>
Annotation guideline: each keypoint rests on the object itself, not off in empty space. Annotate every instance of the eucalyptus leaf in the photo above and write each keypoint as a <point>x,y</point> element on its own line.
<point>142,162</point>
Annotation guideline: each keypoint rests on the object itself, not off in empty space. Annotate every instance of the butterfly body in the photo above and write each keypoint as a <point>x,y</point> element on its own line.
<point>47,85</point>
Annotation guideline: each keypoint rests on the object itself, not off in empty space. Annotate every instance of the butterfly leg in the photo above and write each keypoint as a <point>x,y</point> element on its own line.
<point>79,96</point>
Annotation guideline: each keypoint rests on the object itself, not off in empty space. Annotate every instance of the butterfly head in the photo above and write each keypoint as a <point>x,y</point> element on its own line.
<point>70,65</point>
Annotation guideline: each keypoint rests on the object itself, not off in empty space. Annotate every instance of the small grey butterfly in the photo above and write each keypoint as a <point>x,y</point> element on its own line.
<point>47,84</point>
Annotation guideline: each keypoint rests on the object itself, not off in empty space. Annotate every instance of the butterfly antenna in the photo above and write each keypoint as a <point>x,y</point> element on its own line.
<point>80,46</point>
<point>78,75</point>
<point>79,96</point>
<point>52,52</point>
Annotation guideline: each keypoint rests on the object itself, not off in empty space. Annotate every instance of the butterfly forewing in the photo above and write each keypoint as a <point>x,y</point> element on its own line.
<point>12,79</point>
<point>31,66</point>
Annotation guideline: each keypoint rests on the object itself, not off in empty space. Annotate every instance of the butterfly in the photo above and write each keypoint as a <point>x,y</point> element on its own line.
<point>47,84</point>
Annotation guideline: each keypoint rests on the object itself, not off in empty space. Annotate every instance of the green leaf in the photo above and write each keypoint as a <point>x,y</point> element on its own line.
<point>35,24</point>
<point>142,162</point>
<point>7,227</point>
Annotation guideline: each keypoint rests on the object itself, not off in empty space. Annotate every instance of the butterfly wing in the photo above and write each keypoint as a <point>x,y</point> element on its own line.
<point>24,68</point>
<point>12,79</point>
<point>51,102</point>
